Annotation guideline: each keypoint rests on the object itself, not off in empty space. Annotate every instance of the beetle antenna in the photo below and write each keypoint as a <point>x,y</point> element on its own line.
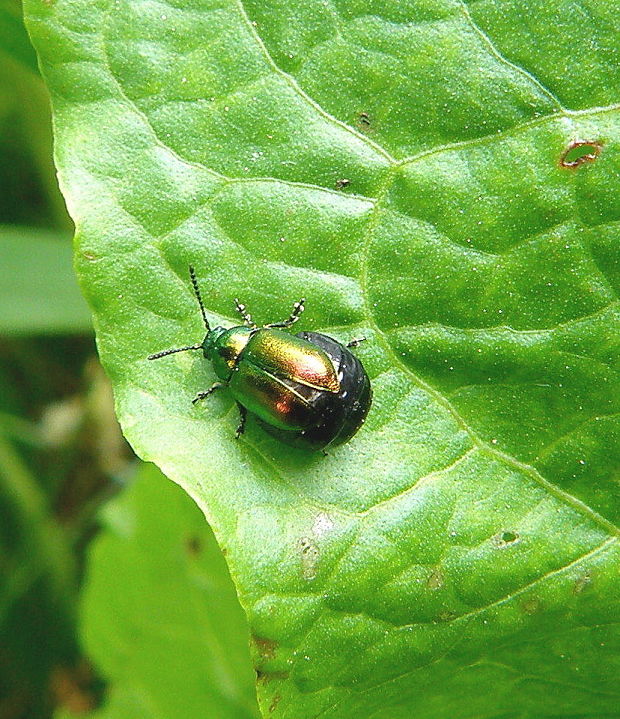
<point>157,355</point>
<point>192,274</point>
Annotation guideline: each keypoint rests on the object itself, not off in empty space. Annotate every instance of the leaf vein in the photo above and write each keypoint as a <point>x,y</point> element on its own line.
<point>508,132</point>
<point>501,58</point>
<point>303,95</point>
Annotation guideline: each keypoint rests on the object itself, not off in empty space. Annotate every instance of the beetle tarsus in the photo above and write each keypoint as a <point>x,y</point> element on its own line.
<point>356,342</point>
<point>247,317</point>
<point>243,414</point>
<point>298,308</point>
<point>211,390</point>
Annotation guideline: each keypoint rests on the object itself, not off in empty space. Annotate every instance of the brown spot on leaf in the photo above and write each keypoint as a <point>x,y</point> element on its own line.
<point>580,151</point>
<point>265,647</point>
<point>266,677</point>
<point>274,703</point>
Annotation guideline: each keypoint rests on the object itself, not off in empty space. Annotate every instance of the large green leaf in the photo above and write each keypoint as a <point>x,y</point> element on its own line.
<point>458,558</point>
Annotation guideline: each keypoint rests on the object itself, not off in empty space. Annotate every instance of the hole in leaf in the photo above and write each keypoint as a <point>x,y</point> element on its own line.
<point>580,151</point>
<point>506,537</point>
<point>363,119</point>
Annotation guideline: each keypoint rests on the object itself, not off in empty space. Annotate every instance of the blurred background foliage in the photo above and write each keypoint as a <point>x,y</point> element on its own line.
<point>60,448</point>
<point>62,457</point>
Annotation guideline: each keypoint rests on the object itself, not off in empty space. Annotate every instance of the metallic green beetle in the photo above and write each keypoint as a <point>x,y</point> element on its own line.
<point>308,390</point>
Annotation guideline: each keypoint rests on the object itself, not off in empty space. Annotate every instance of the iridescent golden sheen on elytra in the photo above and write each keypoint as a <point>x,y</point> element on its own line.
<point>285,355</point>
<point>262,368</point>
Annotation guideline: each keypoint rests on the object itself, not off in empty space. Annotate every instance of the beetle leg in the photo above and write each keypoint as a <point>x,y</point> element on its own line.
<point>243,413</point>
<point>356,342</point>
<point>298,308</point>
<point>212,388</point>
<point>247,317</point>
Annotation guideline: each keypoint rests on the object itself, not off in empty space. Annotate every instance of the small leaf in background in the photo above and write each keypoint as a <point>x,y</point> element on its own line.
<point>14,41</point>
<point>29,193</point>
<point>39,293</point>
<point>159,616</point>
<point>399,164</point>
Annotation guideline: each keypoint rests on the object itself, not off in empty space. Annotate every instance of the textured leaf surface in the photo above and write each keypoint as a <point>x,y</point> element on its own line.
<point>157,596</point>
<point>466,538</point>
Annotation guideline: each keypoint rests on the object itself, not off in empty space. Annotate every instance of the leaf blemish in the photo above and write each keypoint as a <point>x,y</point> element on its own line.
<point>323,524</point>
<point>580,151</point>
<point>447,616</point>
<point>435,580</point>
<point>266,677</point>
<point>531,605</point>
<point>274,703</point>
<point>582,583</point>
<point>309,558</point>
<point>364,119</point>
<point>193,546</point>
<point>265,647</point>
<point>506,538</point>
